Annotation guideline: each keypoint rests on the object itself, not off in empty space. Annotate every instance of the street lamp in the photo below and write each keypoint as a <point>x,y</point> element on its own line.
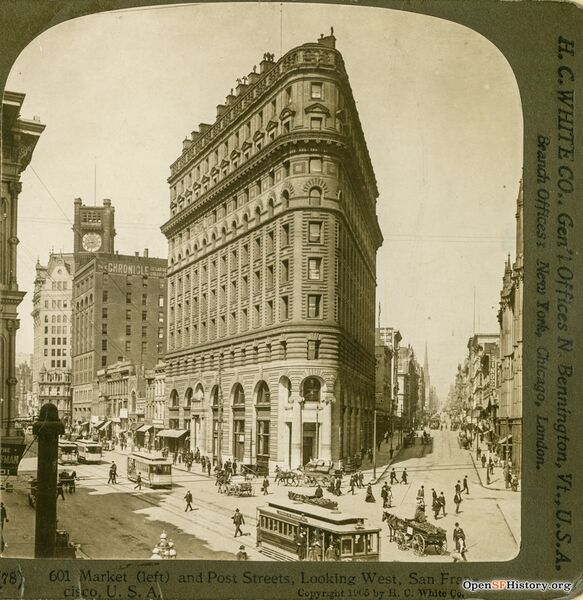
<point>164,549</point>
<point>318,409</point>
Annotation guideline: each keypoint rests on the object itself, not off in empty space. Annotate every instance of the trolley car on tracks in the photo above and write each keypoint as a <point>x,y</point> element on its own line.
<point>296,531</point>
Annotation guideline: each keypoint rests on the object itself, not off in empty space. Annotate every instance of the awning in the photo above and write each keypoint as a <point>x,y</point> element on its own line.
<point>84,424</point>
<point>172,433</point>
<point>103,425</point>
<point>503,440</point>
<point>144,428</point>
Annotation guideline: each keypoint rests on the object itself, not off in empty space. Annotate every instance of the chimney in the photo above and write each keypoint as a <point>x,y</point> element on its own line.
<point>253,76</point>
<point>267,63</point>
<point>186,143</point>
<point>221,108</point>
<point>230,98</point>
<point>329,41</point>
<point>240,88</point>
<point>194,135</point>
<point>106,202</point>
<point>78,201</point>
<point>203,127</point>
<point>146,253</point>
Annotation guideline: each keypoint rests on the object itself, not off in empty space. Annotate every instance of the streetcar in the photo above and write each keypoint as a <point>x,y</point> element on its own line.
<point>88,451</point>
<point>285,528</point>
<point>154,470</point>
<point>67,452</point>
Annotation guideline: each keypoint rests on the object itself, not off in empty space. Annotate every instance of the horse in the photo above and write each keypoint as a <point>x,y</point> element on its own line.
<point>287,476</point>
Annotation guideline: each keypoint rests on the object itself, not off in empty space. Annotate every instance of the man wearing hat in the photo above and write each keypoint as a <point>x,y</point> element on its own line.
<point>315,553</point>
<point>242,555</point>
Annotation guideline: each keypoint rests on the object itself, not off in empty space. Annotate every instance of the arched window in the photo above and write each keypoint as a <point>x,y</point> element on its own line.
<point>173,399</point>
<point>257,215</point>
<point>285,199</point>
<point>238,395</point>
<point>270,205</point>
<point>133,402</point>
<point>188,398</point>
<point>245,221</point>
<point>312,389</point>
<point>263,396</point>
<point>315,196</point>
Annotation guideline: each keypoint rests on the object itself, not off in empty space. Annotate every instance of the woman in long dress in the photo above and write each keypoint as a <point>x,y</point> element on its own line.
<point>369,495</point>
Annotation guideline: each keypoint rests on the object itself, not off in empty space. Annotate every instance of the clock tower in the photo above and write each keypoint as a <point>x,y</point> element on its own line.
<point>93,229</point>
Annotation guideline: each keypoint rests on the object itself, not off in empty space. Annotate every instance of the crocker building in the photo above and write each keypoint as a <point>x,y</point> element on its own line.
<point>271,275</point>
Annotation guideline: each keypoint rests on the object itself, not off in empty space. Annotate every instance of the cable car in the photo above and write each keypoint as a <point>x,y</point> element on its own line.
<point>88,451</point>
<point>155,470</point>
<point>285,528</point>
<point>67,452</point>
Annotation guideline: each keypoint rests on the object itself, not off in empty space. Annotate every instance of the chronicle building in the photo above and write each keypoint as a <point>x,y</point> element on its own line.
<point>119,317</point>
<point>272,238</point>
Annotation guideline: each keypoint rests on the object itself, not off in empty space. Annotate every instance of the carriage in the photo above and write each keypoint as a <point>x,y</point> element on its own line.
<point>288,476</point>
<point>319,472</point>
<point>411,534</point>
<point>238,486</point>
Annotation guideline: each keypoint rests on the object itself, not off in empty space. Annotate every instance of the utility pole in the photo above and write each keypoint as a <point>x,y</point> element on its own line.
<point>47,429</point>
<point>374,448</point>
<point>220,423</point>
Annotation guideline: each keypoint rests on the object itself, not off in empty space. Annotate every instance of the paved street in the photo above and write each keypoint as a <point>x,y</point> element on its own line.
<point>116,521</point>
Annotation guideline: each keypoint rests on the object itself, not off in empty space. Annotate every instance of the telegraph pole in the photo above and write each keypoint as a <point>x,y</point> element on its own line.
<point>47,429</point>
<point>220,423</point>
<point>374,448</point>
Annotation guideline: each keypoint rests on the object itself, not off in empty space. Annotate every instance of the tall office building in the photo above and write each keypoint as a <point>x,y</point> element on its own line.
<point>273,237</point>
<point>52,326</point>
<point>19,139</point>
<point>118,311</point>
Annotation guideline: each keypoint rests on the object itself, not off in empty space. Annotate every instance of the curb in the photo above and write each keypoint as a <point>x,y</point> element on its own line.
<point>485,486</point>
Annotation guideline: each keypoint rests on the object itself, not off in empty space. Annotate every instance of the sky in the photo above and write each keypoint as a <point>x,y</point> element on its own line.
<point>439,106</point>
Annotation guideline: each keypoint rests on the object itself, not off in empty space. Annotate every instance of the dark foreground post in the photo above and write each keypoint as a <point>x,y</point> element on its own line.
<point>47,429</point>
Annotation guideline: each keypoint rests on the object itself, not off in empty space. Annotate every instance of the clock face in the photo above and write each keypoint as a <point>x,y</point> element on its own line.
<point>91,242</point>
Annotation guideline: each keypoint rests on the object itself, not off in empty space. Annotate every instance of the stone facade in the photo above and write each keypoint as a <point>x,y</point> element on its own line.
<point>272,269</point>
<point>19,138</point>
<point>52,323</point>
<point>54,385</point>
<point>509,420</point>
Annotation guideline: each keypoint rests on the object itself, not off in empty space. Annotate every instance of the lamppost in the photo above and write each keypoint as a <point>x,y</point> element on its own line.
<point>301,402</point>
<point>318,409</point>
<point>220,420</point>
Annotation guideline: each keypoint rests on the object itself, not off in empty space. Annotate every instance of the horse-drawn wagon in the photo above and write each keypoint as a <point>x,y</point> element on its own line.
<point>415,535</point>
<point>238,486</point>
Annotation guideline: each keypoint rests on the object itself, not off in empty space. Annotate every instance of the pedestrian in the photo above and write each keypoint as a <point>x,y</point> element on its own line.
<point>208,467</point>
<point>466,489</point>
<point>301,540</point>
<point>72,484</point>
<point>458,487</point>
<point>389,497</point>
<point>202,463</point>
<point>188,498</point>
<point>238,520</point>
<point>3,514</point>
<point>331,553</point>
<point>337,490</point>
<point>441,501</point>
<point>459,537</point>
<point>111,474</point>
<point>60,491</point>
<point>138,482</point>
<point>421,493</point>
<point>457,499</point>
<point>491,466</point>
<point>265,486</point>
<point>404,476</point>
<point>352,484</point>
<point>234,466</point>
<point>360,479</point>
<point>483,461</point>
<point>391,451</point>
<point>394,476</point>
<point>488,476</point>
<point>385,494</point>
<point>369,494</point>
<point>433,495</point>
<point>478,453</point>
<point>174,457</point>
<point>436,507</point>
<point>242,555</point>
<point>319,493</point>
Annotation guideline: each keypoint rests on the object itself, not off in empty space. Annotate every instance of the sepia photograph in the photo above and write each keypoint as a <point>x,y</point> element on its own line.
<point>266,298</point>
